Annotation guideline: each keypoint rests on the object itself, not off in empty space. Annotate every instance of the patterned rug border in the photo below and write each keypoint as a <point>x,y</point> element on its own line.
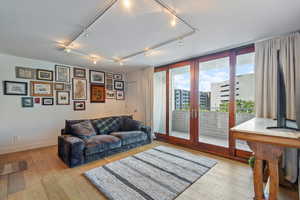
<point>141,193</point>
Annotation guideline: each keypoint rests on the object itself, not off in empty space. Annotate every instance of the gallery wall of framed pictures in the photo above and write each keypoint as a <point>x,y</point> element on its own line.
<point>63,86</point>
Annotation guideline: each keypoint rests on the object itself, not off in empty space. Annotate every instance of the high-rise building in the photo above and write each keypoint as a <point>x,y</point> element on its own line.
<point>244,90</point>
<point>182,99</point>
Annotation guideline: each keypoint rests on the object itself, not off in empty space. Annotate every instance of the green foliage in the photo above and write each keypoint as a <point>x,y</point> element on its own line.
<point>242,106</point>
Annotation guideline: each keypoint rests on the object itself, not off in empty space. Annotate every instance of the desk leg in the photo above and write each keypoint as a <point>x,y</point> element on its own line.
<point>274,179</point>
<point>258,180</point>
<point>271,154</point>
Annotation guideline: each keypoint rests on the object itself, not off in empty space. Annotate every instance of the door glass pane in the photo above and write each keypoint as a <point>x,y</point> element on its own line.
<point>159,108</point>
<point>179,119</point>
<point>213,101</point>
<point>245,91</point>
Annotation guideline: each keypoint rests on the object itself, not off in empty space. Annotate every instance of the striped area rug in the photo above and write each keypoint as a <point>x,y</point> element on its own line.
<point>161,173</point>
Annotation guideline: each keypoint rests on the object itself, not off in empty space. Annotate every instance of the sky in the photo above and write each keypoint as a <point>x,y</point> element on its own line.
<point>182,81</point>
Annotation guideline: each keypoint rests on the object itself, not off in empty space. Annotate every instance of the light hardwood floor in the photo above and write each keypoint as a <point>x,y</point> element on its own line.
<point>47,178</point>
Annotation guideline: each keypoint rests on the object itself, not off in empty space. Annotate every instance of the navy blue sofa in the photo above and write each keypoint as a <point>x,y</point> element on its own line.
<point>100,138</point>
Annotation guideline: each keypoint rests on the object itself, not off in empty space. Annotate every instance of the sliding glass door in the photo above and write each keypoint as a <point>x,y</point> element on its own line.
<point>213,93</point>
<point>180,102</point>
<point>196,102</point>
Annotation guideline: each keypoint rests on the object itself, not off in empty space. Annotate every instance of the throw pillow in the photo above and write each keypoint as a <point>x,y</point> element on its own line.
<point>131,125</point>
<point>105,126</point>
<point>83,130</point>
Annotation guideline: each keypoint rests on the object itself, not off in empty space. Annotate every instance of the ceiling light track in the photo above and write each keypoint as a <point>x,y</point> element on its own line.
<point>67,47</point>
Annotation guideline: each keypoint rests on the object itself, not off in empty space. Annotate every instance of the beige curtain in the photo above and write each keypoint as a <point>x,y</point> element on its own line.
<point>266,82</point>
<point>266,74</point>
<point>147,86</point>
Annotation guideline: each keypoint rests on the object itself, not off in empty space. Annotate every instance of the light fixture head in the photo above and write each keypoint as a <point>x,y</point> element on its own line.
<point>173,22</point>
<point>127,4</point>
<point>95,62</point>
<point>121,63</point>
<point>68,50</point>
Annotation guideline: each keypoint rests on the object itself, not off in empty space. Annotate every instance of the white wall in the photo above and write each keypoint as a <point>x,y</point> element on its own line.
<point>39,126</point>
<point>134,104</point>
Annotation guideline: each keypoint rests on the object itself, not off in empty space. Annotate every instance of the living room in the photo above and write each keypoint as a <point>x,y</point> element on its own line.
<point>150,99</point>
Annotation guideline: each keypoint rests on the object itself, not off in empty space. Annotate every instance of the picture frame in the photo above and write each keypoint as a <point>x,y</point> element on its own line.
<point>47,101</point>
<point>44,75</point>
<point>97,93</point>
<point>109,75</point>
<point>68,87</point>
<point>25,72</point>
<point>120,95</point>
<point>41,89</point>
<point>79,87</point>
<point>79,105</point>
<point>15,88</point>
<point>37,100</point>
<point>110,94</point>
<point>62,74</point>
<point>79,73</point>
<point>110,87</point>
<point>27,102</point>
<point>59,86</point>
<point>118,77</point>
<point>97,77</point>
<point>62,98</point>
<point>119,85</point>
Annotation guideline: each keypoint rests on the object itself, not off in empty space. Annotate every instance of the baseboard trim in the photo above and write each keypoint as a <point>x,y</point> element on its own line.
<point>35,145</point>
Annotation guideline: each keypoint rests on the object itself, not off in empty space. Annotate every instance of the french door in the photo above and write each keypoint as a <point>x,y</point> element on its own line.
<point>198,101</point>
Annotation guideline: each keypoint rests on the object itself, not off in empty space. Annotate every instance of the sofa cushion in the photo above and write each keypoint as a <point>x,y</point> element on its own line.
<point>100,143</point>
<point>130,125</point>
<point>105,126</point>
<point>129,137</point>
<point>83,129</point>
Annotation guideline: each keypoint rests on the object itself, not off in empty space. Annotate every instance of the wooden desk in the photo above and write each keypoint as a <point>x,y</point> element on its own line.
<point>268,145</point>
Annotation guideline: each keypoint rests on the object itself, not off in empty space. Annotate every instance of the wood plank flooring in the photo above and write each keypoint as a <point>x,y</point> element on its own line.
<point>47,178</point>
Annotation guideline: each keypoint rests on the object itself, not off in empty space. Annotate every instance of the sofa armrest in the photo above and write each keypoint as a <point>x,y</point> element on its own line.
<point>147,130</point>
<point>70,150</point>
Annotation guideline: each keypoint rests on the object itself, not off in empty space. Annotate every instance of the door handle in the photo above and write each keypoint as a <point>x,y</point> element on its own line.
<point>196,113</point>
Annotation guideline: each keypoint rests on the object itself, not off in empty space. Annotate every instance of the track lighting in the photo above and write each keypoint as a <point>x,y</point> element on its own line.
<point>173,21</point>
<point>68,50</point>
<point>127,3</point>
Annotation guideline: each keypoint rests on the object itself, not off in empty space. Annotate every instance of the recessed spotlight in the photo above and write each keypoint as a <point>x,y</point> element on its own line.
<point>95,62</point>
<point>121,63</point>
<point>126,3</point>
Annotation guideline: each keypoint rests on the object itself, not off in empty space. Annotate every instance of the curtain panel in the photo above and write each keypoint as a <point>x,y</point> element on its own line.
<point>266,83</point>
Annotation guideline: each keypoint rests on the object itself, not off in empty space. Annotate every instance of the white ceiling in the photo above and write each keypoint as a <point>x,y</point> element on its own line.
<point>32,28</point>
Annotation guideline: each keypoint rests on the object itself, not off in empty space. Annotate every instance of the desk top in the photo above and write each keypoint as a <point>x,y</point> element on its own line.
<point>258,126</point>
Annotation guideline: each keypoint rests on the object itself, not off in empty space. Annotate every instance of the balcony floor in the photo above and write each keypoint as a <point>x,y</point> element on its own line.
<point>242,145</point>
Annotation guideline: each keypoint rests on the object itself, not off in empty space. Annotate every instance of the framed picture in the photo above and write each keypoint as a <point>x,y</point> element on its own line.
<point>59,86</point>
<point>62,98</point>
<point>110,87</point>
<point>110,94</point>
<point>109,75</point>
<point>79,89</point>
<point>119,85</point>
<point>120,95</point>
<point>37,100</point>
<point>62,73</point>
<point>41,89</point>
<point>79,105</point>
<point>79,73</point>
<point>25,72</point>
<point>15,88</point>
<point>118,76</point>
<point>44,75</point>
<point>97,77</point>
<point>97,94</point>
<point>27,102</point>
<point>47,101</point>
<point>68,87</point>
